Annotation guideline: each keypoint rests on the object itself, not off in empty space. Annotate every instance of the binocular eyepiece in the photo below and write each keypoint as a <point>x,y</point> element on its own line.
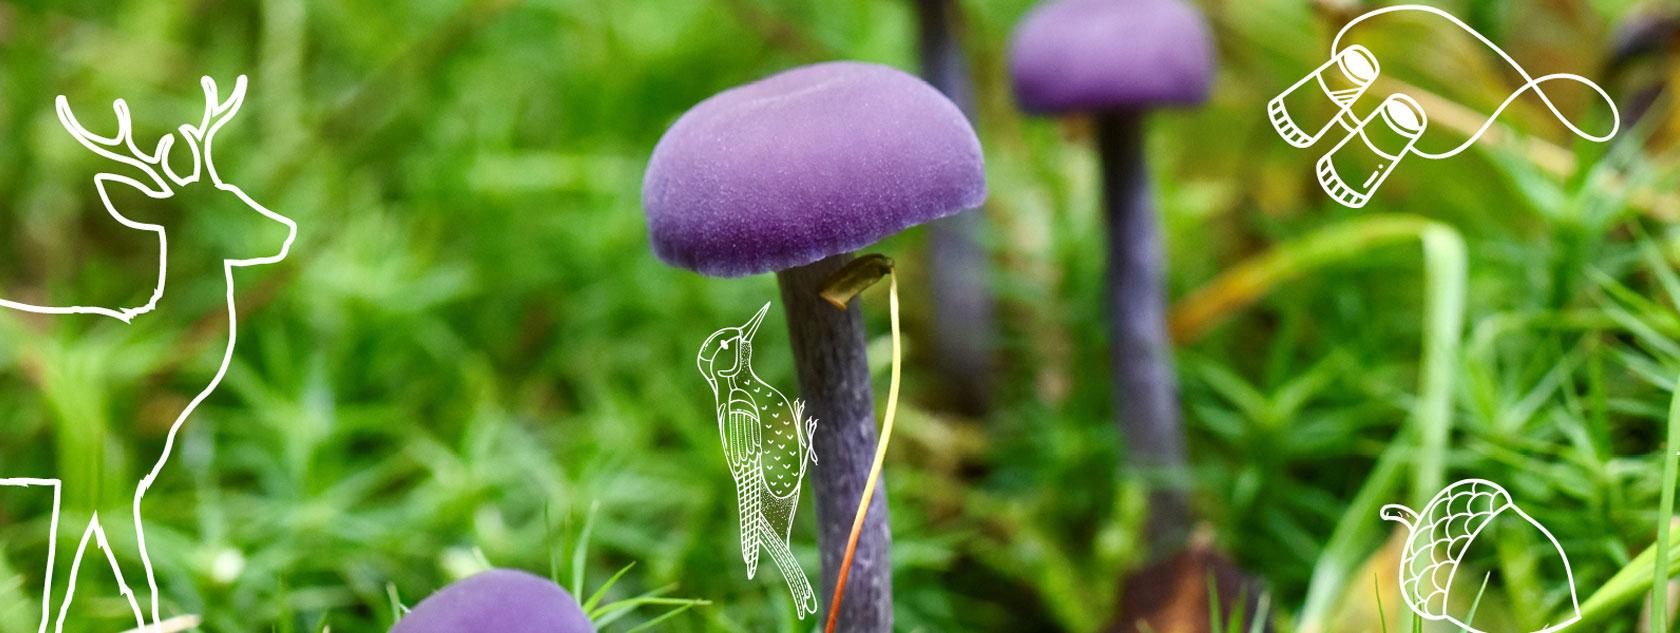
<point>1304,112</point>
<point>1350,172</point>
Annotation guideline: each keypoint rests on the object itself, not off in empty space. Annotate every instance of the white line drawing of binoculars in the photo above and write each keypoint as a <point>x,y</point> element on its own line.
<point>1328,97</point>
<point>1324,100</point>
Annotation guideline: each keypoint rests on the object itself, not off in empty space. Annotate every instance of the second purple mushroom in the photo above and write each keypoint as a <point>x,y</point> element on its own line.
<point>1117,60</point>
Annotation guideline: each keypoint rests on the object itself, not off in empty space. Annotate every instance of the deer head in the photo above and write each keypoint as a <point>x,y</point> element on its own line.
<point>182,160</point>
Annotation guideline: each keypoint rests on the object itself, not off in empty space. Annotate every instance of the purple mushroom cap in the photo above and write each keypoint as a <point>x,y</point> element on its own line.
<point>812,162</point>
<point>1095,55</point>
<point>500,600</point>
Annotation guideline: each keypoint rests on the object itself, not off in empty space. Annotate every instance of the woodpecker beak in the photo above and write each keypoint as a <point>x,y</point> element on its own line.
<point>751,327</point>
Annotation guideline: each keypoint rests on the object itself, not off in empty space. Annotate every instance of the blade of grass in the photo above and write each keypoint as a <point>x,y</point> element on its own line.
<point>1470,618</point>
<point>620,609</point>
<point>1624,587</point>
<point>1665,518</point>
<point>1344,551</point>
<point>1665,274</point>
<point>1376,591</point>
<point>618,605</point>
<point>1213,601</point>
<point>1261,613</point>
<point>548,543</point>
<point>1446,270</point>
<point>668,615</point>
<point>397,608</point>
<point>580,551</point>
<point>1239,611</point>
<point>601,591</point>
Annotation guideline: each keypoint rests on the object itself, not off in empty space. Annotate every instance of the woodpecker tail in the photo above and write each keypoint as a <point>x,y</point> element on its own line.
<point>748,489</point>
<point>805,600</point>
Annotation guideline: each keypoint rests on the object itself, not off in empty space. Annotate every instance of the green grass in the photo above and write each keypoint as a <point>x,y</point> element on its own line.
<point>473,358</point>
<point>1660,566</point>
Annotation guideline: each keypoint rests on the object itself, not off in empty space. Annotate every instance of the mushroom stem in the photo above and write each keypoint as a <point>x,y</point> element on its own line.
<point>831,358</point>
<point>1145,388</point>
<point>956,260</point>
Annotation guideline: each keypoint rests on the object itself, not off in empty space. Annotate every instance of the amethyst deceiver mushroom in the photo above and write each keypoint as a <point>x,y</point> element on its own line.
<point>500,600</point>
<point>957,264</point>
<point>1117,60</point>
<point>792,174</point>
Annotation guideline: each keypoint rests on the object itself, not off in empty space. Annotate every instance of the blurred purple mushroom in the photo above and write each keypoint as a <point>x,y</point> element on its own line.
<point>1117,59</point>
<point>792,174</point>
<point>500,600</point>
<point>956,261</point>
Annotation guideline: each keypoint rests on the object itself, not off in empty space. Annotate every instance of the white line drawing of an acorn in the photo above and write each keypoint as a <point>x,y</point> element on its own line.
<point>1441,536</point>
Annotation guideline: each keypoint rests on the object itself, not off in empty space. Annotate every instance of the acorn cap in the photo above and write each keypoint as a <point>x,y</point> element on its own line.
<point>812,162</point>
<point>1095,55</point>
<point>501,600</point>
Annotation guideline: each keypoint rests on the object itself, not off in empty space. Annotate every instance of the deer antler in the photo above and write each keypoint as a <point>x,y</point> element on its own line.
<point>216,113</point>
<point>113,147</point>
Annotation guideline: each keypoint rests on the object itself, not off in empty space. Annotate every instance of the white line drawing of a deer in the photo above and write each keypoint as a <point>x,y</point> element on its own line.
<point>158,179</point>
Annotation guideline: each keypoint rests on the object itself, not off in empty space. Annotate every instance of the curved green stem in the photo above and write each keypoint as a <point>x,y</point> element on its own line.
<point>1445,279</point>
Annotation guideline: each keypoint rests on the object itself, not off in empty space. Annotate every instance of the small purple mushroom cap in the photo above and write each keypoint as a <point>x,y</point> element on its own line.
<point>500,600</point>
<point>1095,55</point>
<point>812,162</point>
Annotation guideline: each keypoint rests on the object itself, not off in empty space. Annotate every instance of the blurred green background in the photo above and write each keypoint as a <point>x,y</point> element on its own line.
<point>472,350</point>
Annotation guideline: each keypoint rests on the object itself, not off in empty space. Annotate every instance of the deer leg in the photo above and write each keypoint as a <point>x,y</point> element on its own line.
<point>145,556</point>
<point>52,538</point>
<point>95,533</point>
<point>122,551</point>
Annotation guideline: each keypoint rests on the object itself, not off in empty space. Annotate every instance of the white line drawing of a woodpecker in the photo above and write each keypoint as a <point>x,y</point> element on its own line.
<point>1465,518</point>
<point>1372,145</point>
<point>767,442</point>
<point>181,160</point>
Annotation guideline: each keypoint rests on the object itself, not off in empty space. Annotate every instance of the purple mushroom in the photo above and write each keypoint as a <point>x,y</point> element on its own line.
<point>792,174</point>
<point>956,260</point>
<point>500,600</point>
<point>1118,59</point>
